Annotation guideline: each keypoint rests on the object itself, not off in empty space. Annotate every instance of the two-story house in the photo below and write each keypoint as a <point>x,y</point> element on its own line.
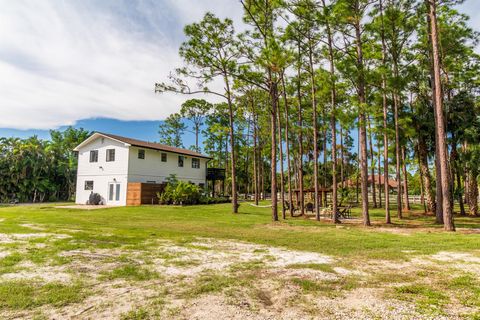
<point>108,163</point>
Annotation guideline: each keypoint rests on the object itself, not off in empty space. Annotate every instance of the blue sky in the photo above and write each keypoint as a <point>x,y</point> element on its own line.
<point>93,64</point>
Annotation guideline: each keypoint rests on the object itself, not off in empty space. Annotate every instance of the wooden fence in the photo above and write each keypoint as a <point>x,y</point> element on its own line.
<point>143,193</point>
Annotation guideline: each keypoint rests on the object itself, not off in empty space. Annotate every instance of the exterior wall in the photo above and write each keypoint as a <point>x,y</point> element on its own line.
<point>153,169</point>
<point>102,172</point>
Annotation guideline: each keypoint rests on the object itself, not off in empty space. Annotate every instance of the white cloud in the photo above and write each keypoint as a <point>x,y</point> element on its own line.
<point>62,61</point>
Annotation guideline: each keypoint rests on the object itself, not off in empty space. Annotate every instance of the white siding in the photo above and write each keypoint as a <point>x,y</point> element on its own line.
<point>102,172</point>
<point>153,169</point>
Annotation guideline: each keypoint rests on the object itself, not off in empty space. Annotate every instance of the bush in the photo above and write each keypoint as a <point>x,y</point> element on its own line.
<point>94,199</point>
<point>184,193</point>
<point>180,193</point>
<point>212,200</point>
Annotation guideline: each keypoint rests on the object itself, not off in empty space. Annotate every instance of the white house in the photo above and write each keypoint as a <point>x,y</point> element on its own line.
<point>107,163</point>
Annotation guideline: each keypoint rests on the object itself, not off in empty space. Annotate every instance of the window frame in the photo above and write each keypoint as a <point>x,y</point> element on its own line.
<point>195,160</point>
<point>86,183</point>
<point>162,155</point>
<point>181,160</point>
<point>108,159</point>
<point>141,154</point>
<point>95,158</point>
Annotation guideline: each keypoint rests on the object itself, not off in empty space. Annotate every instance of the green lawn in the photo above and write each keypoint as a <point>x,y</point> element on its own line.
<point>134,225</point>
<point>129,248</point>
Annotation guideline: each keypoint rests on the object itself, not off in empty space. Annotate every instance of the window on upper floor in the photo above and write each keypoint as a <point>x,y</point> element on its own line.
<point>93,155</point>
<point>180,161</point>
<point>164,157</point>
<point>110,155</point>
<point>195,163</point>
<point>88,185</point>
<point>141,154</point>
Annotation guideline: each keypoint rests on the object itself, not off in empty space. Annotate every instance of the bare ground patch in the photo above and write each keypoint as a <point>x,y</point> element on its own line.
<point>208,279</point>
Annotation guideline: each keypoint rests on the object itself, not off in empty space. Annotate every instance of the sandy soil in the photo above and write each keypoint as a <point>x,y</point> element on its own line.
<point>270,287</point>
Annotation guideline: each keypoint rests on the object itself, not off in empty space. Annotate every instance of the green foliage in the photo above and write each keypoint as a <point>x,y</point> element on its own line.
<point>180,192</point>
<point>171,130</point>
<point>132,272</point>
<point>210,283</point>
<point>34,170</point>
<point>213,200</point>
<point>427,299</point>
<point>26,295</point>
<point>139,314</point>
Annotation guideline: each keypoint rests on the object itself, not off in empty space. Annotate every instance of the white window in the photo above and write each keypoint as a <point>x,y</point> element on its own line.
<point>195,163</point>
<point>110,155</point>
<point>141,154</point>
<point>114,191</point>
<point>88,185</point>
<point>117,193</point>
<point>180,161</point>
<point>93,155</point>
<point>164,157</point>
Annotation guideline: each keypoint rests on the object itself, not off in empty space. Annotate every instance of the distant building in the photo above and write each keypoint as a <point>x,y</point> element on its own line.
<point>378,179</point>
<point>108,163</point>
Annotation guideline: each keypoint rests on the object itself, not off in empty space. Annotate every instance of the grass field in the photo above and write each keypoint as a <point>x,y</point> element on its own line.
<point>202,262</point>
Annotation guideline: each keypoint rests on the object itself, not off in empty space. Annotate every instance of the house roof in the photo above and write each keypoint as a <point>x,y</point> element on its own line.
<point>142,144</point>
<point>377,178</point>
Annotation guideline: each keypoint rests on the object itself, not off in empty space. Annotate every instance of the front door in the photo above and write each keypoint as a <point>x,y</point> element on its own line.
<point>114,193</point>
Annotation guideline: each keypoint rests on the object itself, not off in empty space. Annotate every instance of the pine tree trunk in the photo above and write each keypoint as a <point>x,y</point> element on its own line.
<point>342,158</point>
<point>255,155</point>
<point>379,170</point>
<point>457,174</point>
<point>232,147</point>
<point>300,137</point>
<point>473,192</point>
<point>440,121</point>
<point>397,157</point>
<point>324,171</point>
<point>372,164</point>
<point>273,158</point>
<point>333,122</point>
<point>282,177</point>
<point>427,178</point>
<point>362,121</point>
<point>315,133</point>
<point>385,123</point>
<point>460,198</point>
<point>287,144</point>
<point>405,181</point>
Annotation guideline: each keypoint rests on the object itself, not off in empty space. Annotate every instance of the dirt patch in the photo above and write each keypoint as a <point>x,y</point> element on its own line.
<point>110,301</point>
<point>209,254</point>
<point>244,281</point>
<point>4,253</point>
<point>455,257</point>
<point>32,226</point>
<point>365,303</point>
<point>84,207</point>
<point>46,274</point>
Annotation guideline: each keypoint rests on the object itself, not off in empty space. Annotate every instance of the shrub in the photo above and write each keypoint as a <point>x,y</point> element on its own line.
<point>179,192</point>
<point>212,200</point>
<point>184,193</point>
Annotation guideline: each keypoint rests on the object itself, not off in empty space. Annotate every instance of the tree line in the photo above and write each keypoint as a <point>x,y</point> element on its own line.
<point>307,75</point>
<point>36,170</point>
